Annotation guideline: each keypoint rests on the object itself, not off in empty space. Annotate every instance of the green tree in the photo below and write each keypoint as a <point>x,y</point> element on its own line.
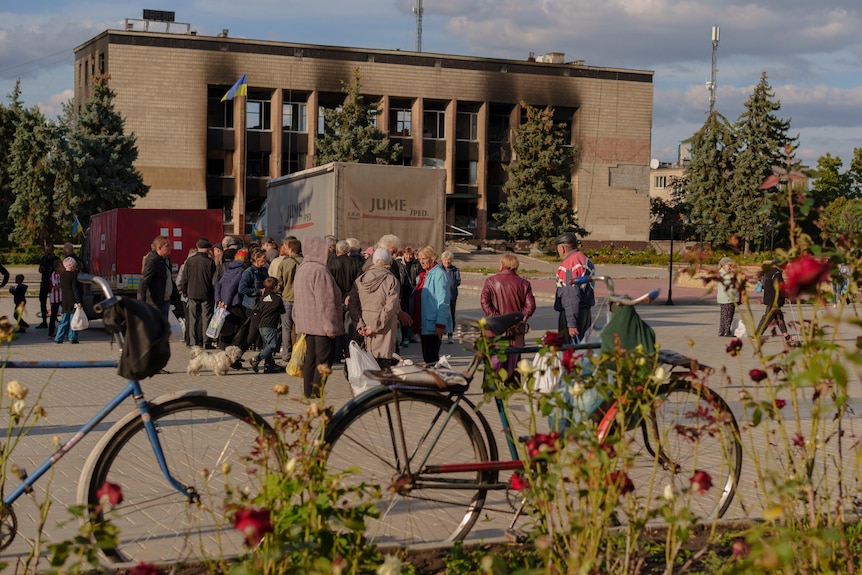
<point>830,184</point>
<point>32,213</point>
<point>536,205</point>
<point>9,119</point>
<point>353,136</point>
<point>101,157</point>
<point>707,180</point>
<point>855,172</point>
<point>759,138</point>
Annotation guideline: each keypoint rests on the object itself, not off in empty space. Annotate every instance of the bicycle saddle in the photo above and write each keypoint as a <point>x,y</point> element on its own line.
<point>500,324</point>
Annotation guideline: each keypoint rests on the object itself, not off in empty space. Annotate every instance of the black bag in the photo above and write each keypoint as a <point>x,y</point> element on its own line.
<point>146,350</point>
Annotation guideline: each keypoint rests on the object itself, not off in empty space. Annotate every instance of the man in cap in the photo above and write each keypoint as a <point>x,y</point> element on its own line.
<point>573,302</point>
<point>197,285</point>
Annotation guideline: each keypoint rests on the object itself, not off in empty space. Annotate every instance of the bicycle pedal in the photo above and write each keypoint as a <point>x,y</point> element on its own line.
<point>515,536</point>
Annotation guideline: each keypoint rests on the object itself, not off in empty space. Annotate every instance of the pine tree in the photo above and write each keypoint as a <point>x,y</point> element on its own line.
<point>32,210</point>
<point>9,119</point>
<point>707,180</point>
<point>354,136</point>
<point>759,138</point>
<point>855,172</point>
<point>536,205</point>
<point>102,156</point>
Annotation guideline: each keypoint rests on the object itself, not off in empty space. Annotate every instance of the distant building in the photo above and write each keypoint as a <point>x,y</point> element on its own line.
<point>662,174</point>
<point>455,112</point>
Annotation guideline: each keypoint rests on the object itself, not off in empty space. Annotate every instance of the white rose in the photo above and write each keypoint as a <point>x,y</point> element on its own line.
<point>391,566</point>
<point>17,407</point>
<point>15,390</point>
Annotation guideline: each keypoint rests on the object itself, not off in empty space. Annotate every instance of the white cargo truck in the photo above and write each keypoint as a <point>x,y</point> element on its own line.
<point>363,201</point>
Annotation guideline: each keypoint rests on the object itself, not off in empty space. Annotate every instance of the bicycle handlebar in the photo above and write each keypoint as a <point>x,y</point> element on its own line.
<point>102,283</point>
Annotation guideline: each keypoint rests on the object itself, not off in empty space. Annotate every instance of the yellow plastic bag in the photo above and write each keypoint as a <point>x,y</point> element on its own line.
<point>297,357</point>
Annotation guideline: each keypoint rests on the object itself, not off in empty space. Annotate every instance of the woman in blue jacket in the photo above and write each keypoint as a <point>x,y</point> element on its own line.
<point>431,313</point>
<point>454,281</point>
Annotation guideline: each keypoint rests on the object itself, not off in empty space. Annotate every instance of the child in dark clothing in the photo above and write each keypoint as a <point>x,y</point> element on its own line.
<point>19,296</point>
<point>268,310</point>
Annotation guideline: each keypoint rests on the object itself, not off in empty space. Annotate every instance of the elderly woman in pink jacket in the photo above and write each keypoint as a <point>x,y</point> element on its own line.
<point>316,311</point>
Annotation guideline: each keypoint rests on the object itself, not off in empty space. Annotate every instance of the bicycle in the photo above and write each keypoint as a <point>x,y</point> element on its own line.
<point>173,458</point>
<point>435,456</point>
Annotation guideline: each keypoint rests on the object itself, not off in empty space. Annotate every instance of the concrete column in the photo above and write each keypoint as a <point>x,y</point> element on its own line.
<point>312,112</point>
<point>239,164</point>
<point>451,114</point>
<point>417,123</point>
<point>482,172</point>
<point>277,134</point>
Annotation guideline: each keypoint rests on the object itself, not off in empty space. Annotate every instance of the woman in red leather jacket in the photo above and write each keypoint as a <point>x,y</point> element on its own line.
<point>507,292</point>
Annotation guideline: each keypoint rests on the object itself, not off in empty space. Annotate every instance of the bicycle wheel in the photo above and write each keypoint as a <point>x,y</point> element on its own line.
<point>416,507</point>
<point>201,437</point>
<point>690,429</point>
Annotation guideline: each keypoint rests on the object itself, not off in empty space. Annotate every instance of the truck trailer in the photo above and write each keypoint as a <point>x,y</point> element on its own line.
<point>118,240</point>
<point>362,201</point>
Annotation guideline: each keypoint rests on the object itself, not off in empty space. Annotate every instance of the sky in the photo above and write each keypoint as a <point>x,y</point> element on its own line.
<point>811,51</point>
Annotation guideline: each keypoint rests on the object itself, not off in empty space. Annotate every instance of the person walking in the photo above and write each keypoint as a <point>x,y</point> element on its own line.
<point>56,297</point>
<point>228,297</point>
<point>197,285</point>
<point>727,296</point>
<point>286,278</point>
<point>72,297</point>
<point>773,299</point>
<point>46,268</point>
<point>432,316</point>
<point>19,298</point>
<point>156,285</point>
<point>454,281</point>
<point>507,292</point>
<point>317,311</point>
<point>573,302</point>
<point>374,304</point>
<point>268,311</point>
<point>250,289</point>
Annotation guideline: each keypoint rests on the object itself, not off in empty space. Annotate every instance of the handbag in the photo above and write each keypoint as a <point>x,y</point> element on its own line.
<point>297,357</point>
<point>358,362</point>
<point>217,322</point>
<point>79,319</point>
<point>758,287</point>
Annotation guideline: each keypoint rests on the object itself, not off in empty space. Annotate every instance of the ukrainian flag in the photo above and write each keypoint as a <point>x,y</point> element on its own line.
<point>238,89</point>
<point>76,227</point>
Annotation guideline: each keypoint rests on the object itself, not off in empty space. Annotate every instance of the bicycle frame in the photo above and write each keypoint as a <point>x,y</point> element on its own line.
<point>133,389</point>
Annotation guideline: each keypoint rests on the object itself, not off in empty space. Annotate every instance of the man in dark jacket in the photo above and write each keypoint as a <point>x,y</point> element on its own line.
<point>46,268</point>
<point>156,284</point>
<point>507,292</point>
<point>573,302</point>
<point>197,285</point>
<point>345,270</point>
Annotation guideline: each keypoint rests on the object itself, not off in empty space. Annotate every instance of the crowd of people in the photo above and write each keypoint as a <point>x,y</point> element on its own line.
<point>385,297</point>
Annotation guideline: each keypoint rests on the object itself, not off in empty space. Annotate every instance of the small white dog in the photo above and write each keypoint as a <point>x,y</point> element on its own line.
<point>217,361</point>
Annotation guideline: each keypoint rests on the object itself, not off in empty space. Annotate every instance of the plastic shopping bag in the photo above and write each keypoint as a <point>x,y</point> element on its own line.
<point>358,362</point>
<point>297,357</point>
<point>217,322</point>
<point>79,320</point>
<point>740,330</point>
<point>177,329</point>
<point>546,372</point>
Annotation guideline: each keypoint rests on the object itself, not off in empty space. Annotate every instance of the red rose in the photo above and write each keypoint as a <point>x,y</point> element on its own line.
<point>112,492</point>
<point>553,339</point>
<point>701,482</point>
<point>804,274</point>
<point>570,360</point>
<point>734,347</point>
<point>535,443</point>
<point>757,374</point>
<point>518,482</point>
<point>620,480</point>
<point>779,403</point>
<point>799,440</point>
<point>254,523</point>
<point>145,569</point>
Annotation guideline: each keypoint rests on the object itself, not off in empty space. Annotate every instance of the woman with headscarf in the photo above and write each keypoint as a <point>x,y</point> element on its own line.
<point>432,316</point>
<point>374,303</point>
<point>317,311</point>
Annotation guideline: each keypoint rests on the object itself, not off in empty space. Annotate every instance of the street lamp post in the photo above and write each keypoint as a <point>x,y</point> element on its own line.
<point>670,269</point>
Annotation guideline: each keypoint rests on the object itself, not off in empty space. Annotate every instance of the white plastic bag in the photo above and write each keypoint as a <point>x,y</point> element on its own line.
<point>359,361</point>
<point>217,322</point>
<point>176,327</point>
<point>546,372</point>
<point>740,330</point>
<point>79,319</point>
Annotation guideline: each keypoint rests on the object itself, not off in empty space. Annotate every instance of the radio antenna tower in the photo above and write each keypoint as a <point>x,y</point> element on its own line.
<point>418,11</point>
<point>716,32</point>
